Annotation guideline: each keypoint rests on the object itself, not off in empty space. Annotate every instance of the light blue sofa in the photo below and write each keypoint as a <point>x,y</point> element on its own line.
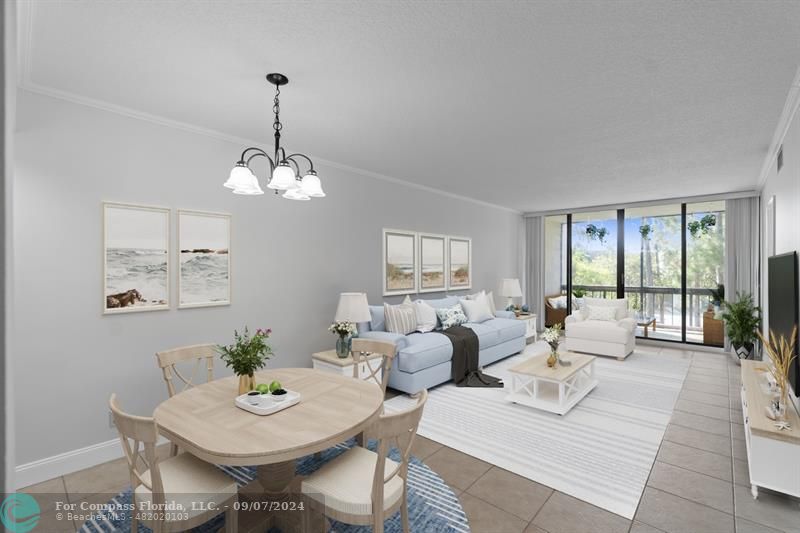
<point>423,359</point>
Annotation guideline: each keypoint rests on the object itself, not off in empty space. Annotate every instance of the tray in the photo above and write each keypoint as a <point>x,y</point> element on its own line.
<point>267,405</point>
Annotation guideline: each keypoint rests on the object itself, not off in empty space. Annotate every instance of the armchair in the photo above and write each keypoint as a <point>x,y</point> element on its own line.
<point>614,337</point>
<point>553,315</point>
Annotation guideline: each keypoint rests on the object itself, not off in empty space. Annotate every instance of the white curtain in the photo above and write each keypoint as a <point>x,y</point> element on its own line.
<point>742,249</point>
<point>534,267</point>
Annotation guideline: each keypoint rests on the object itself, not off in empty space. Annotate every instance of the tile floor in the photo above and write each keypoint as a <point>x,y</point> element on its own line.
<point>698,484</point>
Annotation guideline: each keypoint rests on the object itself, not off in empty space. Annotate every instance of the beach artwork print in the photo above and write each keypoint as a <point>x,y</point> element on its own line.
<point>399,262</point>
<point>205,261</point>
<point>135,258</point>
<point>432,255</point>
<point>460,263</point>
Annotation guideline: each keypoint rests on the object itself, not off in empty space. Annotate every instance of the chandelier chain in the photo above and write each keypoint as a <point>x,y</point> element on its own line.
<point>276,108</point>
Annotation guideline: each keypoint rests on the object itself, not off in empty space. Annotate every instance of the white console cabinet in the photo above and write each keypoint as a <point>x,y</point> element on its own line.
<point>773,455</point>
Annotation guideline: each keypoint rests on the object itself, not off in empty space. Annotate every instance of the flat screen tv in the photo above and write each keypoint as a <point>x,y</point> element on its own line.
<point>782,277</point>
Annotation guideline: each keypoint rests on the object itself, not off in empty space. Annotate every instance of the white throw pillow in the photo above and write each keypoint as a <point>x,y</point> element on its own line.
<point>490,301</point>
<point>602,313</point>
<point>477,311</point>
<point>426,316</point>
<point>400,319</point>
<point>488,298</point>
<point>559,302</point>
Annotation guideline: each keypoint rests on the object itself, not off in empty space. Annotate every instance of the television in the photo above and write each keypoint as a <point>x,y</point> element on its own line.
<point>783,312</point>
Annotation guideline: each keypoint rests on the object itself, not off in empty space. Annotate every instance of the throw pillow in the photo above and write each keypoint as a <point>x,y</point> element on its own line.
<point>426,316</point>
<point>451,316</point>
<point>602,313</point>
<point>559,302</point>
<point>488,298</point>
<point>400,319</point>
<point>477,311</point>
<point>490,301</point>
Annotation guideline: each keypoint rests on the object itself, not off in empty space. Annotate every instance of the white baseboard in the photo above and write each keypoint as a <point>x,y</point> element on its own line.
<point>68,462</point>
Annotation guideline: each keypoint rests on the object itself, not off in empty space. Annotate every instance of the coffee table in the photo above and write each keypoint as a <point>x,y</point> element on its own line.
<point>646,322</point>
<point>556,390</point>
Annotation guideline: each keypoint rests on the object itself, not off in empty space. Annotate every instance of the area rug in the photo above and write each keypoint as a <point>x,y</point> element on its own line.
<point>432,505</point>
<point>600,452</point>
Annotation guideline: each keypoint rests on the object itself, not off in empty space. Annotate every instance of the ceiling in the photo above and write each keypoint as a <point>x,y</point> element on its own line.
<point>528,105</point>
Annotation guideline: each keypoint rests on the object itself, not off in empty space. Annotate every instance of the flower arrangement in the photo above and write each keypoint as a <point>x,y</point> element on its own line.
<point>552,336</point>
<point>247,354</point>
<point>343,329</point>
<point>781,353</point>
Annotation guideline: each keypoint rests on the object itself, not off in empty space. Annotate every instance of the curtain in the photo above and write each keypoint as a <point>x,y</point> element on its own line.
<point>534,267</point>
<point>742,249</point>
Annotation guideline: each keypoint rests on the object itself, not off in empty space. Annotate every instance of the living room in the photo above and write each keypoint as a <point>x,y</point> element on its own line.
<point>521,251</point>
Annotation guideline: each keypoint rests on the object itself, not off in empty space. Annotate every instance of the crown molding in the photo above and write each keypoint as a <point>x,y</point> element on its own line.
<point>784,122</point>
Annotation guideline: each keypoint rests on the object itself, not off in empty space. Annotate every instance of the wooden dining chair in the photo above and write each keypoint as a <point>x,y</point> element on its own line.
<point>375,370</point>
<point>168,361</point>
<point>198,491</point>
<point>362,487</point>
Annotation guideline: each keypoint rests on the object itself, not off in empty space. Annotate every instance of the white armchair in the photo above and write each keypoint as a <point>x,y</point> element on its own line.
<point>602,327</point>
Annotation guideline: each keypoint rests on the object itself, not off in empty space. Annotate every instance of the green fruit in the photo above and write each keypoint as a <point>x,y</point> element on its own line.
<point>275,385</point>
<point>263,388</point>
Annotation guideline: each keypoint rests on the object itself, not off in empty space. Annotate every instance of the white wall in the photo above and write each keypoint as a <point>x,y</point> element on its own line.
<point>290,260</point>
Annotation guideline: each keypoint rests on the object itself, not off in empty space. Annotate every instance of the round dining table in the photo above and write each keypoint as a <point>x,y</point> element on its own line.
<point>204,421</point>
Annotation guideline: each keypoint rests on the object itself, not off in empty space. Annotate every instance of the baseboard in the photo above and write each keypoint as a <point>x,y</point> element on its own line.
<point>68,462</point>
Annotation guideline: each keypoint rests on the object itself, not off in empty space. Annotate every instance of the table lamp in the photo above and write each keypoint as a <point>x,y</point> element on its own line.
<point>510,288</point>
<point>353,307</point>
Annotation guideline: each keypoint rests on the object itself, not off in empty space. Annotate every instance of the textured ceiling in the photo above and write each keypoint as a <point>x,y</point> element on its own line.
<point>532,106</point>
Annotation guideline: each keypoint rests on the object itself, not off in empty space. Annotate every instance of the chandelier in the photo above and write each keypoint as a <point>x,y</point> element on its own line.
<point>284,170</point>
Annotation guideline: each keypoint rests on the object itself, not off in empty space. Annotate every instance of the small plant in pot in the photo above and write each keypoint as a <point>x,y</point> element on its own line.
<point>717,297</point>
<point>742,321</point>
<point>247,354</point>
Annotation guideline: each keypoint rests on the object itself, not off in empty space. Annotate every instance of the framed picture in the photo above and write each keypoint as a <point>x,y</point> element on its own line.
<point>432,262</point>
<point>135,258</point>
<point>459,263</point>
<point>204,259</point>
<point>399,262</point>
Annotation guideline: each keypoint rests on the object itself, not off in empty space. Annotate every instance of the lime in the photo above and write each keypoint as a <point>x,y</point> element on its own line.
<point>275,385</point>
<point>263,388</point>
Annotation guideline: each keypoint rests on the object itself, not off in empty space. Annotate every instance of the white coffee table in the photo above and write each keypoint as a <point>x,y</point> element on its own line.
<point>556,390</point>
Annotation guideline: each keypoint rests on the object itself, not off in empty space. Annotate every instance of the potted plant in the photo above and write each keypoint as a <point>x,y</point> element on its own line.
<point>345,330</point>
<point>579,293</point>
<point>742,320</point>
<point>247,354</point>
<point>717,297</point>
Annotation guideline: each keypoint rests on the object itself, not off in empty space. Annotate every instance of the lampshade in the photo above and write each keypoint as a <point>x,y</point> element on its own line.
<point>353,307</point>
<point>296,194</point>
<point>311,185</point>
<point>248,187</point>
<point>239,177</point>
<point>282,177</point>
<point>510,288</point>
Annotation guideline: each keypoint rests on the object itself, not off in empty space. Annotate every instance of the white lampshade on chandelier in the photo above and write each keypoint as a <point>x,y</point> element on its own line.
<point>284,170</point>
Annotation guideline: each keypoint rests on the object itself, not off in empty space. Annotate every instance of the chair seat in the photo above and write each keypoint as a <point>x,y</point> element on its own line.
<point>345,483</point>
<point>188,479</point>
<point>598,330</point>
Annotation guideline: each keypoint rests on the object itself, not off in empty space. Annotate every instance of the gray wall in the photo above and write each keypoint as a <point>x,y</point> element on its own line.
<point>290,260</point>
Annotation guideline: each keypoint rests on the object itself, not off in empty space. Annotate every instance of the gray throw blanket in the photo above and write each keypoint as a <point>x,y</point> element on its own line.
<point>465,371</point>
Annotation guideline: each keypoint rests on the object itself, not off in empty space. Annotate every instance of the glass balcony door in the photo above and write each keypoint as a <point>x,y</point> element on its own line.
<point>594,255</point>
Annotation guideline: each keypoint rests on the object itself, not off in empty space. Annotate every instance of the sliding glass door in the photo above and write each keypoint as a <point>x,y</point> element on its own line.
<point>705,270</point>
<point>594,255</point>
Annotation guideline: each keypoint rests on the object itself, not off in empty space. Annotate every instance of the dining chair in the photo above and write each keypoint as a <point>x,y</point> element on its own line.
<point>377,370</point>
<point>196,490</point>
<point>363,487</point>
<point>168,361</point>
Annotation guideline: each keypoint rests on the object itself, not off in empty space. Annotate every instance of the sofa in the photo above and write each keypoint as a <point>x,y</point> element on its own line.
<point>423,360</point>
<point>614,337</point>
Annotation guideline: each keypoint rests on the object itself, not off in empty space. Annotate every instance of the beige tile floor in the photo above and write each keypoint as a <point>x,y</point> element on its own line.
<point>698,484</point>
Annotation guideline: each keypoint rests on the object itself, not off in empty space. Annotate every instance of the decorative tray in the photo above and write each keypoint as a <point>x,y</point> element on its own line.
<point>266,405</point>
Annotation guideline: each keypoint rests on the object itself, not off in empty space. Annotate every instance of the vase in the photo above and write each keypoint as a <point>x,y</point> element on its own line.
<point>343,345</point>
<point>553,359</point>
<point>247,382</point>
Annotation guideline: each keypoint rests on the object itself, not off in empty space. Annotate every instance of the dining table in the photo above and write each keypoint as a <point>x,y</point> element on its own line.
<point>204,421</point>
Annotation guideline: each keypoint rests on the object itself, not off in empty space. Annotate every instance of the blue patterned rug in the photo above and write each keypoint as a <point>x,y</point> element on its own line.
<point>432,505</point>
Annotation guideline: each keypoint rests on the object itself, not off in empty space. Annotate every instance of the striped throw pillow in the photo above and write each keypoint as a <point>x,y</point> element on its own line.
<point>400,319</point>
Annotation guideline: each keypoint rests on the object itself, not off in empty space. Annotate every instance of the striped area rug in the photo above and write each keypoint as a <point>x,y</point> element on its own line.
<point>432,505</point>
<point>600,452</point>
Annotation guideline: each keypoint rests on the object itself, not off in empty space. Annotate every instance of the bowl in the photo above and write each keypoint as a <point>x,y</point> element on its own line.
<point>279,395</point>
<point>254,397</point>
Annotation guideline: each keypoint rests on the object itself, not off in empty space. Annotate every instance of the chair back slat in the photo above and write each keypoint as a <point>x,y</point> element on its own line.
<point>362,349</point>
<point>135,431</point>
<point>169,359</point>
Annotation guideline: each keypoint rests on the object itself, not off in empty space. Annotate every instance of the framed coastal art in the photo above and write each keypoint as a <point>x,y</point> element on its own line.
<point>399,262</point>
<point>204,259</point>
<point>135,258</point>
<point>459,263</point>
<point>432,262</point>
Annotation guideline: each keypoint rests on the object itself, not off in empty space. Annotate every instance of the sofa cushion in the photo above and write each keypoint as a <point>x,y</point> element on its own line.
<point>507,328</point>
<point>487,335</point>
<point>598,330</point>
<point>424,350</point>
<point>378,321</point>
<point>620,304</point>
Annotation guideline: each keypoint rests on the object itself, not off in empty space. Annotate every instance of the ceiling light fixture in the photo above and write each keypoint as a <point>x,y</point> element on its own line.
<point>284,170</point>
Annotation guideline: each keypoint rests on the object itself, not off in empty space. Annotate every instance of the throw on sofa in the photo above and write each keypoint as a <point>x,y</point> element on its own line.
<point>423,359</point>
<point>602,327</point>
